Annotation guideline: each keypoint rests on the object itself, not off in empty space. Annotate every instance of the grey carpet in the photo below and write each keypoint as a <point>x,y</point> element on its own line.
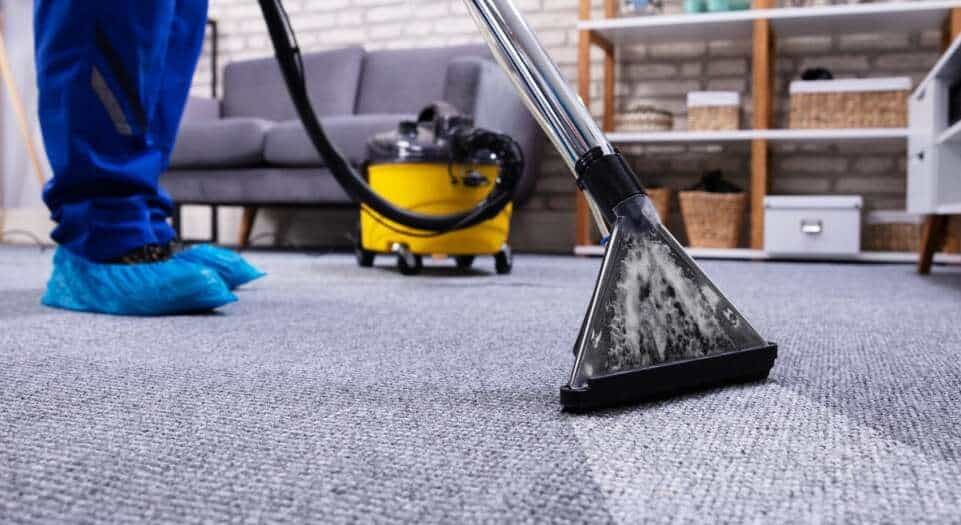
<point>335,394</point>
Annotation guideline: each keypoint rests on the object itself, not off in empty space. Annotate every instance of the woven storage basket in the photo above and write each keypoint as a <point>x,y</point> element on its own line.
<point>661,197</point>
<point>644,118</point>
<point>713,220</point>
<point>891,231</point>
<point>892,237</point>
<point>850,103</point>
<point>952,242</point>
<point>902,232</point>
<point>713,110</point>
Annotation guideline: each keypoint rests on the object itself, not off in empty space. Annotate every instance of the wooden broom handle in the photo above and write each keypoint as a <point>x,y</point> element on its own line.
<point>21,115</point>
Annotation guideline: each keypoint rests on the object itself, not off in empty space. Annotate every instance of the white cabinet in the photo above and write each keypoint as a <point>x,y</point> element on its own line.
<point>934,147</point>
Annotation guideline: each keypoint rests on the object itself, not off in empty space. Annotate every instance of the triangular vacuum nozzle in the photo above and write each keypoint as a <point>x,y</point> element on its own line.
<point>657,325</point>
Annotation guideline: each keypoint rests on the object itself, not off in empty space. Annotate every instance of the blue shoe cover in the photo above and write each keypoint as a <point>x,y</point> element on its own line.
<point>233,269</point>
<point>165,288</point>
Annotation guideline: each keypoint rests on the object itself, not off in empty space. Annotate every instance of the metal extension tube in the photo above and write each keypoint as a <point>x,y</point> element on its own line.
<point>561,113</point>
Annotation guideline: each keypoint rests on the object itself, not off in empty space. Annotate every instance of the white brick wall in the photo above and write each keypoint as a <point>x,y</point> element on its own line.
<point>658,74</point>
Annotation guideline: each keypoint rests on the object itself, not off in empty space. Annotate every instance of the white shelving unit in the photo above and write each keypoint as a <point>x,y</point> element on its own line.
<point>747,135</point>
<point>786,22</point>
<point>934,153</point>
<point>894,17</point>
<point>934,147</point>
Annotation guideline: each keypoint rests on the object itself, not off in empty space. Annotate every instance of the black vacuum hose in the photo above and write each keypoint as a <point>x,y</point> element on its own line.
<point>506,149</point>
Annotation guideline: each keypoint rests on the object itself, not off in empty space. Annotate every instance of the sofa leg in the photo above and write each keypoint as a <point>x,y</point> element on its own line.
<point>177,224</point>
<point>247,225</point>
<point>932,239</point>
<point>214,224</point>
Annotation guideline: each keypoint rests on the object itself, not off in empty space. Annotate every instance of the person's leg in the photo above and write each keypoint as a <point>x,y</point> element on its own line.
<point>100,66</point>
<point>183,51</point>
<point>183,48</point>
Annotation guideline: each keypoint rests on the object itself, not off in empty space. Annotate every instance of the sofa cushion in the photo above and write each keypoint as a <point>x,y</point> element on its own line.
<point>255,88</point>
<point>201,108</point>
<point>406,80</point>
<point>226,143</point>
<point>287,143</point>
<point>254,186</point>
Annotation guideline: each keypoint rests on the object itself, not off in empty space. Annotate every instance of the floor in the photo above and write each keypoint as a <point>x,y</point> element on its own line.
<point>331,393</point>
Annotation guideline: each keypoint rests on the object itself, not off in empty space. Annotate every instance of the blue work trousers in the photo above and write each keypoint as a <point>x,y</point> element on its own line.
<point>114,76</point>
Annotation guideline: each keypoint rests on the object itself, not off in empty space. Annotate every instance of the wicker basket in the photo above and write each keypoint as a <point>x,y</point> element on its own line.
<point>713,110</point>
<point>892,237</point>
<point>902,232</point>
<point>891,231</point>
<point>851,103</point>
<point>713,220</point>
<point>644,118</point>
<point>661,197</point>
<point>952,241</point>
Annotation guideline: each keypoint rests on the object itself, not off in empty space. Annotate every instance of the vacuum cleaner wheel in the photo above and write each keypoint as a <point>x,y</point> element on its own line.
<point>464,262</point>
<point>365,259</point>
<point>410,266</point>
<point>504,261</point>
<point>408,263</point>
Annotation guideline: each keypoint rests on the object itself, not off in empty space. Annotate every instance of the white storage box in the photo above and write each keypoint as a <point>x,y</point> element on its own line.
<point>813,225</point>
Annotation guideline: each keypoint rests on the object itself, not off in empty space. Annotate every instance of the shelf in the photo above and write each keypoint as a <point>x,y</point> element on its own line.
<point>952,134</point>
<point>949,209</point>
<point>658,29</point>
<point>895,17</point>
<point>763,134</point>
<point>743,254</point>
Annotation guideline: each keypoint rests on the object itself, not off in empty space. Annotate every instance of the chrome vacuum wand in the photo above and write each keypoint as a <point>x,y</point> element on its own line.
<point>561,113</point>
<point>656,324</point>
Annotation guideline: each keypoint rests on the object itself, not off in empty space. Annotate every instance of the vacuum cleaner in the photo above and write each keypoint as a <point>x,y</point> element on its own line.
<point>437,165</point>
<point>656,326</point>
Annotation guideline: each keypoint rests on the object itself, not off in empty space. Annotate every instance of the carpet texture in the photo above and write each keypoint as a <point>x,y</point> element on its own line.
<point>331,393</point>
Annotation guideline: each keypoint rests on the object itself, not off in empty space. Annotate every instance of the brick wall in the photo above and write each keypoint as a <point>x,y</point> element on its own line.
<point>658,74</point>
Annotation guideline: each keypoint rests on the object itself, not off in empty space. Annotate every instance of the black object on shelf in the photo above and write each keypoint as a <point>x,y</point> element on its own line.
<point>714,182</point>
<point>816,73</point>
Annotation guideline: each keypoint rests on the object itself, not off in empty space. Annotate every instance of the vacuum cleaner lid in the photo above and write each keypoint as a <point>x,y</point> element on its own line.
<point>425,141</point>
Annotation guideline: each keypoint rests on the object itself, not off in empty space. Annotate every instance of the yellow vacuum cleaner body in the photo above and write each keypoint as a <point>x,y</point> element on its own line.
<point>434,189</point>
<point>415,168</point>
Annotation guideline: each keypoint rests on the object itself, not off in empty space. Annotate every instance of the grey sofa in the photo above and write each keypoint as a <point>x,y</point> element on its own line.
<point>249,149</point>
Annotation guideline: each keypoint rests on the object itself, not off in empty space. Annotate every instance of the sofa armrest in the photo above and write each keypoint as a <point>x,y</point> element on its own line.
<point>201,109</point>
<point>479,87</point>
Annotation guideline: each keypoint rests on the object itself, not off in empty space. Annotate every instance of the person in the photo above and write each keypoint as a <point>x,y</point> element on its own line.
<point>114,77</point>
